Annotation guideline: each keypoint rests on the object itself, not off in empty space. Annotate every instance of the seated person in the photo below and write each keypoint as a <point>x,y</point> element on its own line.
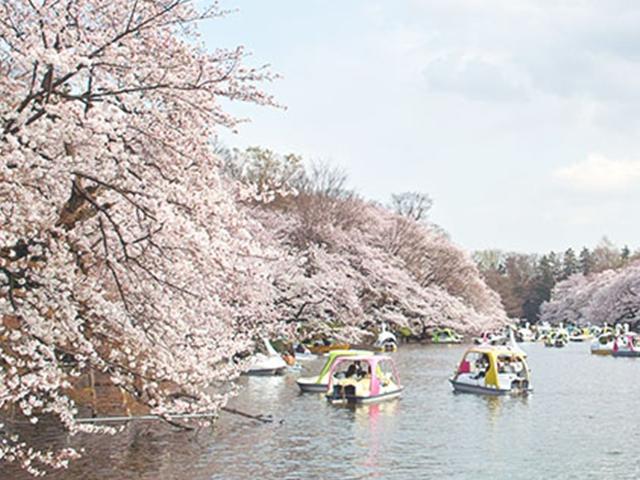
<point>502,366</point>
<point>482,365</point>
<point>352,371</point>
<point>517,367</point>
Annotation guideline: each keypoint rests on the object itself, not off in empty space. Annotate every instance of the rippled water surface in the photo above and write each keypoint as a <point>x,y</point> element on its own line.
<point>580,422</point>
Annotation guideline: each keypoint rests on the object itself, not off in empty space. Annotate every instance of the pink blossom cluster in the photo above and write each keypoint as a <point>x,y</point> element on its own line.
<point>123,248</point>
<point>611,296</point>
<point>347,265</point>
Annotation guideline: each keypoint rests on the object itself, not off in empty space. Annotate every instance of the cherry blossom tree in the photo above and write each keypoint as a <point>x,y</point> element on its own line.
<point>122,249</point>
<point>611,296</point>
<point>347,265</point>
<point>125,250</point>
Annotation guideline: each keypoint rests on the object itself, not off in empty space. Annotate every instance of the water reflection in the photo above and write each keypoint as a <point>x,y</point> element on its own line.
<point>494,405</point>
<point>577,424</point>
<point>373,414</point>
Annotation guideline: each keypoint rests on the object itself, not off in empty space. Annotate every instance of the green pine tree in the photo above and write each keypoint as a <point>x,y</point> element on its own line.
<point>569,263</point>
<point>586,261</point>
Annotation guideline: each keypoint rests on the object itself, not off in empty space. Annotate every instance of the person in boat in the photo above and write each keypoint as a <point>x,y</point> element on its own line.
<point>355,370</point>
<point>482,365</point>
<point>517,367</point>
<point>289,356</point>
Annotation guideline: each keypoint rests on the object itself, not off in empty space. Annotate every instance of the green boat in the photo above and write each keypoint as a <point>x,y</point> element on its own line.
<point>320,382</point>
<point>445,335</point>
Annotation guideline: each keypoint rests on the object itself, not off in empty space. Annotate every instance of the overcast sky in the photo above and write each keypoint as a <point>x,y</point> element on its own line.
<point>520,118</point>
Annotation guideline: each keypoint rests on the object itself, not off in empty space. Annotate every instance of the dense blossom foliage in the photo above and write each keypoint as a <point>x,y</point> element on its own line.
<point>125,251</point>
<point>121,247</point>
<point>612,296</point>
<point>347,265</point>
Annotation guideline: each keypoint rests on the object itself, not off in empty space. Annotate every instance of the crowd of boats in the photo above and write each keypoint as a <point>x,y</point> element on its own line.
<point>617,341</point>
<point>494,365</point>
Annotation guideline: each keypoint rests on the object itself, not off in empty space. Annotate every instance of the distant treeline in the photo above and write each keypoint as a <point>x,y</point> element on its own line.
<point>525,281</point>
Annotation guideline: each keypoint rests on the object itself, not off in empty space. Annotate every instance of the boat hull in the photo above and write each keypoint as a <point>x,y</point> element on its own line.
<point>313,387</point>
<point>305,358</point>
<point>265,372</point>
<point>626,353</point>
<point>388,347</point>
<point>358,400</point>
<point>477,389</point>
<point>602,351</point>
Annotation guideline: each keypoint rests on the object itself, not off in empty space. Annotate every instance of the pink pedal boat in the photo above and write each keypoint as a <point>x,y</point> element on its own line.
<point>363,379</point>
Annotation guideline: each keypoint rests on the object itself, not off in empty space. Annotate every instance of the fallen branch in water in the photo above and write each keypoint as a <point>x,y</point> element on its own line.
<point>170,418</point>
<point>260,418</point>
<point>174,424</point>
<point>145,417</point>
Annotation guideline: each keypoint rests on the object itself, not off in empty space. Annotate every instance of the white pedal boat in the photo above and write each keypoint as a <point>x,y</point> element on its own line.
<point>492,370</point>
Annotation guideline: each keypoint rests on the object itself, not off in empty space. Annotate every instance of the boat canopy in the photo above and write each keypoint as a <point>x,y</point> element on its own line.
<point>374,362</point>
<point>386,336</point>
<point>333,354</point>
<point>446,331</point>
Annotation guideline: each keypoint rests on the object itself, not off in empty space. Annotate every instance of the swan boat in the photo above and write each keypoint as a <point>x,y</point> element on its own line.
<point>445,336</point>
<point>270,363</point>
<point>491,338</point>
<point>603,345</point>
<point>386,341</point>
<point>580,335</point>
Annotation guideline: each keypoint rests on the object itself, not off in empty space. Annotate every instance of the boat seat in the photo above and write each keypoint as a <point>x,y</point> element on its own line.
<point>465,367</point>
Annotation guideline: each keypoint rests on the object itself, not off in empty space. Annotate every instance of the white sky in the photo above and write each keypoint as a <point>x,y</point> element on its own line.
<point>521,118</point>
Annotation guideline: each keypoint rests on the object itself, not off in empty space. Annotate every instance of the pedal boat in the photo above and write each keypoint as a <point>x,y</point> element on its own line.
<point>561,339</point>
<point>603,345</point>
<point>550,339</point>
<point>376,380</point>
<point>270,364</point>
<point>326,347</point>
<point>303,354</point>
<point>445,336</point>
<point>525,334</point>
<point>319,383</point>
<point>386,341</point>
<point>491,338</point>
<point>626,345</point>
<point>580,335</point>
<point>492,370</point>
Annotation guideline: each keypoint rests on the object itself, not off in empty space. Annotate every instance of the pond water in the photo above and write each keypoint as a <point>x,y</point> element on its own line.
<point>580,422</point>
